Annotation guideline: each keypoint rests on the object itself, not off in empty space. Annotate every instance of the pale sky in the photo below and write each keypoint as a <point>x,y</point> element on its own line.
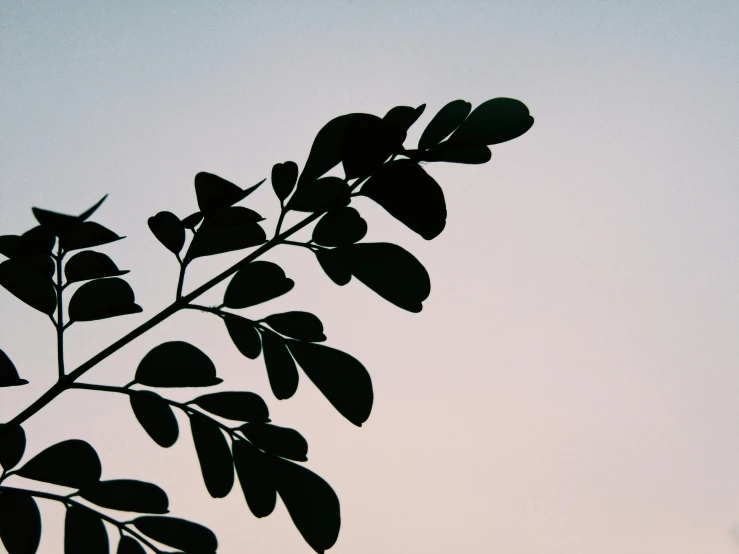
<point>570,385</point>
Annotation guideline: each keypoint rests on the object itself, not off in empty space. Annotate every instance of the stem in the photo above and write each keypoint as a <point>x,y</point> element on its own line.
<point>198,307</point>
<point>181,278</point>
<point>59,323</point>
<point>310,247</point>
<point>123,526</point>
<point>280,219</point>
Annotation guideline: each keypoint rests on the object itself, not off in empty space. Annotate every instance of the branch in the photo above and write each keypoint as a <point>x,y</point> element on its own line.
<point>59,323</point>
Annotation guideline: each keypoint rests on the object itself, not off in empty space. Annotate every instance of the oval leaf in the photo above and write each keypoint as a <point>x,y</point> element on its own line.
<point>128,545</point>
<point>72,463</point>
<point>320,195</point>
<point>8,374</point>
<point>255,478</point>
<point>340,227</point>
<point>403,117</point>
<point>127,495</point>
<point>214,455</point>
<point>278,441</point>
<point>444,122</point>
<point>390,271</point>
<point>20,523</point>
<point>368,142</point>
<point>236,405</point>
<point>210,240</point>
<point>475,154</point>
<point>102,299</point>
<point>494,121</point>
<point>178,533</point>
<point>244,335</point>
<point>87,235</point>
<point>215,193</point>
<point>284,177</point>
<point>326,150</point>
<point>256,283</point>
<point>176,364</point>
<point>192,220</point>
<point>311,502</point>
<point>297,325</point>
<point>156,417</point>
<point>25,284</point>
<point>169,230</point>
<point>12,445</point>
<point>90,265</point>
<point>410,195</point>
<point>281,370</point>
<point>333,265</point>
<point>341,378</point>
<point>84,531</point>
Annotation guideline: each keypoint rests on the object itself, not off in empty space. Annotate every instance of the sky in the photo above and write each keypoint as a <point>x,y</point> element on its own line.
<point>571,383</point>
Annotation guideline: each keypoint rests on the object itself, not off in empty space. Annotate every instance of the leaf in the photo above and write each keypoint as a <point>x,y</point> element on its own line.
<point>156,417</point>
<point>341,378</point>
<point>28,286</point>
<point>284,177</point>
<point>89,211</point>
<point>255,283</point>
<point>101,299</point>
<point>255,478</point>
<point>390,271</point>
<point>8,244</point>
<point>84,532</point>
<point>127,495</point>
<point>128,545</point>
<point>9,375</point>
<point>12,445</point>
<point>278,441</point>
<point>476,154</point>
<point>339,227</point>
<point>281,370</point>
<point>178,533</point>
<point>368,142</point>
<point>214,455</point>
<point>326,150</point>
<point>298,325</point>
<point>215,193</point>
<point>72,463</point>
<point>410,195</point>
<point>37,240</point>
<point>90,265</point>
<point>236,405</point>
<point>176,364</point>
<point>443,123</point>
<point>87,235</point>
<point>403,117</point>
<point>58,224</point>
<point>227,230</point>
<point>244,335</point>
<point>192,220</point>
<point>20,523</point>
<point>333,265</point>
<point>169,230</point>
<point>322,194</point>
<point>494,121</point>
<point>311,502</point>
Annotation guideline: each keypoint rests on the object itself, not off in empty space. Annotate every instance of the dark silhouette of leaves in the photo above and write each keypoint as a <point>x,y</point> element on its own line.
<point>319,195</point>
<point>443,123</point>
<point>156,417</point>
<point>178,533</point>
<point>90,265</point>
<point>333,265</point>
<point>215,193</point>
<point>27,285</point>
<point>72,463</point>
<point>58,224</point>
<point>340,227</point>
<point>297,325</point>
<point>494,121</point>
<point>12,444</point>
<point>390,271</point>
<point>226,230</point>
<point>252,467</point>
<point>236,405</point>
<point>20,523</point>
<point>410,195</point>
<point>284,177</point>
<point>8,374</point>
<point>311,503</point>
<point>281,370</point>
<point>84,532</point>
<point>192,220</point>
<point>278,441</point>
<point>127,495</point>
<point>403,117</point>
<point>214,455</point>
<point>127,545</point>
<point>169,230</point>
<point>447,152</point>
<point>368,142</point>
<point>176,364</point>
<point>256,283</point>
<point>32,249</point>
<point>37,240</point>
<point>326,150</point>
<point>87,235</point>
<point>244,335</point>
<point>101,299</point>
<point>341,378</point>
<point>8,244</point>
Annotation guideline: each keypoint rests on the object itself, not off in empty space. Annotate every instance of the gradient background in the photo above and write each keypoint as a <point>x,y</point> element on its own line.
<point>571,384</point>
